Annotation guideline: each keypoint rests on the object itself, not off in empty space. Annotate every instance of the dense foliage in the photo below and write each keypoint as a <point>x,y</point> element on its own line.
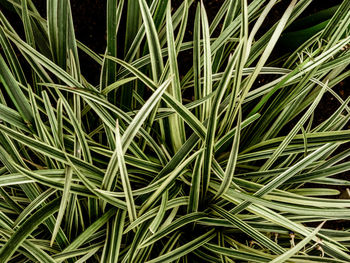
<point>198,144</point>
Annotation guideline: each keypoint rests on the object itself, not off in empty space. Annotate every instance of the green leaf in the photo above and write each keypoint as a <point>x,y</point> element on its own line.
<point>26,229</point>
<point>287,174</point>
<point>111,250</point>
<point>212,123</point>
<point>176,125</point>
<point>152,40</point>
<point>299,246</point>
<point>165,184</point>
<point>84,236</point>
<point>185,249</point>
<point>207,64</point>
<point>64,201</point>
<point>124,177</point>
<point>252,232</point>
<point>182,221</point>
<point>114,11</point>
<point>231,164</point>
<point>16,94</point>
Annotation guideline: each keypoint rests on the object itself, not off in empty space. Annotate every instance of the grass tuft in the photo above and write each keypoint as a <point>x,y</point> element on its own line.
<point>202,141</point>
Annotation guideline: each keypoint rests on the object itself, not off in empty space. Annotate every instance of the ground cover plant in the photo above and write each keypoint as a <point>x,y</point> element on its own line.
<point>199,143</point>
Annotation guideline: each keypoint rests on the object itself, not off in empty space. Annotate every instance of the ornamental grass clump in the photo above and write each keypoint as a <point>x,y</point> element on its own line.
<point>199,143</point>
